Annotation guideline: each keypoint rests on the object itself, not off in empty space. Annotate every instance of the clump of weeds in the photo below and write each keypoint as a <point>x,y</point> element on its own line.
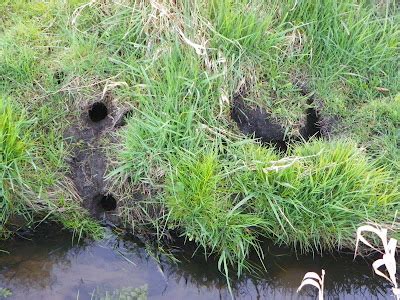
<point>14,156</point>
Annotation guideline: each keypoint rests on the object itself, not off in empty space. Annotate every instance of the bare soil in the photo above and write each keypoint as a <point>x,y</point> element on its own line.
<point>88,162</point>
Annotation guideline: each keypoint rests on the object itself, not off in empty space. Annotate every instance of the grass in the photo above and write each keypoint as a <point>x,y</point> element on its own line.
<point>21,195</point>
<point>14,155</point>
<point>314,202</point>
<point>326,194</point>
<point>200,203</point>
<point>178,67</point>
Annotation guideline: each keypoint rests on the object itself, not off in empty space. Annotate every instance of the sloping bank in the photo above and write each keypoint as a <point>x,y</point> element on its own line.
<point>245,120</point>
<point>227,193</point>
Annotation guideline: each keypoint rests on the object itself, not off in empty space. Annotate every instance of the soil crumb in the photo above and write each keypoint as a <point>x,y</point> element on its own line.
<point>122,118</point>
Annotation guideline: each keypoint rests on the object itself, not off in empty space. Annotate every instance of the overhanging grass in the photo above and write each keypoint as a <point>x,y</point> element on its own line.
<point>320,200</point>
<point>313,200</point>
<point>203,209</point>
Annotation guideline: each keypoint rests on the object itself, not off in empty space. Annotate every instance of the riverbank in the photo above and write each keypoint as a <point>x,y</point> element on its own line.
<point>222,122</point>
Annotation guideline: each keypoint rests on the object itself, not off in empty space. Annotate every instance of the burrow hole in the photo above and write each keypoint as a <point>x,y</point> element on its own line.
<point>106,202</point>
<point>98,111</point>
<point>312,126</point>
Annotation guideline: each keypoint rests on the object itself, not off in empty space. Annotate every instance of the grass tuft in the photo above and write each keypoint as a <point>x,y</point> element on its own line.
<point>14,155</point>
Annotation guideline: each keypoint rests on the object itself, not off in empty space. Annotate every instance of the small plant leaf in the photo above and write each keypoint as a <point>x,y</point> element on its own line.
<point>381,232</point>
<point>312,275</point>
<point>376,265</point>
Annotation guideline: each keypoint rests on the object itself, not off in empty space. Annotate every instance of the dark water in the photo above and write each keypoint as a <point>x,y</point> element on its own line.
<point>50,266</point>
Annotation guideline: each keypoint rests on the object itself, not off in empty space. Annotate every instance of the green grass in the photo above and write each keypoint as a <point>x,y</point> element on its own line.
<point>349,46</point>
<point>34,178</point>
<point>23,176</point>
<point>14,155</point>
<point>200,205</point>
<point>199,176</point>
<point>319,201</point>
<point>314,202</point>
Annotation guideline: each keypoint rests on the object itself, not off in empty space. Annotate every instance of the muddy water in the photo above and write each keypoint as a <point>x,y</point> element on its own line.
<point>49,266</point>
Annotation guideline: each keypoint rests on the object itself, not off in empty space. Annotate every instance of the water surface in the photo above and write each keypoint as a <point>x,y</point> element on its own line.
<point>50,266</point>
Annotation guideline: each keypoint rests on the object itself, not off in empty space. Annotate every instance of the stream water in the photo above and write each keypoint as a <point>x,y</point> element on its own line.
<point>48,265</point>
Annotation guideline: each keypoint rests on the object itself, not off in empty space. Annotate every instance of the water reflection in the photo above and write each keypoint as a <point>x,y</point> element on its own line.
<point>30,262</point>
<point>346,279</point>
<point>50,266</point>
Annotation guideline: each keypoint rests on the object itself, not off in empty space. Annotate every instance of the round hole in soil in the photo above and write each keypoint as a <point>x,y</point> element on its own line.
<point>107,202</point>
<point>98,112</point>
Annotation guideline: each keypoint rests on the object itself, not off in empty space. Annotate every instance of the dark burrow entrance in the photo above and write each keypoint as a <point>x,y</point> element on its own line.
<point>255,121</point>
<point>98,111</point>
<point>313,121</point>
<point>105,202</point>
<point>312,127</point>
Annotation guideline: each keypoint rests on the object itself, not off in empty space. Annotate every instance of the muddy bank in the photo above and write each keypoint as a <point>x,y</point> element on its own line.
<point>100,117</point>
